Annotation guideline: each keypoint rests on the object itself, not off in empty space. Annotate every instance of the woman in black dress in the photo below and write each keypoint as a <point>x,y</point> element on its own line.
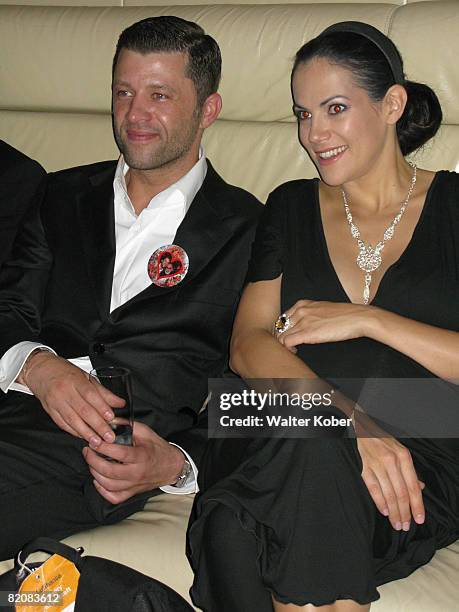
<point>296,524</point>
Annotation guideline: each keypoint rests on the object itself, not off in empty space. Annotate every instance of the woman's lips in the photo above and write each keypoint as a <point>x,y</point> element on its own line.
<point>330,156</point>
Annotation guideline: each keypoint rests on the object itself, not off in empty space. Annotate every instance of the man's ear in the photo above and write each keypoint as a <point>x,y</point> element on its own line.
<point>394,103</point>
<point>210,110</point>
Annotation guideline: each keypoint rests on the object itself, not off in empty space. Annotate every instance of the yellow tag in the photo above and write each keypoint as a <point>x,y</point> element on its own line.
<point>56,575</point>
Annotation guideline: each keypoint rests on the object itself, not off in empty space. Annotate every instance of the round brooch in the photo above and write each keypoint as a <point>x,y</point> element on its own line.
<point>168,265</point>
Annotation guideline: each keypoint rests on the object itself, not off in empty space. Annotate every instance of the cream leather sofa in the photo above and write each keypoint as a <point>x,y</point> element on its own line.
<point>55,106</point>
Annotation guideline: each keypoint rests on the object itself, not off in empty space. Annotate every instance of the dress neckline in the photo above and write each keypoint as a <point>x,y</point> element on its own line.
<point>395,264</point>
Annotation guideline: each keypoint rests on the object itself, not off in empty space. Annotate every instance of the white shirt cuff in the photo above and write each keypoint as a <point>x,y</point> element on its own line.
<point>191,486</point>
<point>12,363</point>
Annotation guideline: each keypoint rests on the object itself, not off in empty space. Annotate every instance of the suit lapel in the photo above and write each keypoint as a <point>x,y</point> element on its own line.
<point>96,215</point>
<point>202,233</point>
<point>204,229</point>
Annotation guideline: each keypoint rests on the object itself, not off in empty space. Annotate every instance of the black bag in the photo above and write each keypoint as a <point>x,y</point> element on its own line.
<point>104,585</point>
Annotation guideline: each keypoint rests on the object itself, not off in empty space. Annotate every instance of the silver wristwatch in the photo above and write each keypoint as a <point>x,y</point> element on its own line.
<point>185,475</point>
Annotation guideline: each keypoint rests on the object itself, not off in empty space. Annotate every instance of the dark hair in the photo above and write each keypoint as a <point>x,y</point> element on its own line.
<point>165,255</point>
<point>371,70</point>
<point>171,34</point>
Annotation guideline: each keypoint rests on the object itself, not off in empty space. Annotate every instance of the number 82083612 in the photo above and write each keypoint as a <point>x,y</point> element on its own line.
<point>30,598</point>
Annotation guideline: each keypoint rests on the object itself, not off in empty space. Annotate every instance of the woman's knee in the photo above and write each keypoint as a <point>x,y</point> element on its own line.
<point>223,532</point>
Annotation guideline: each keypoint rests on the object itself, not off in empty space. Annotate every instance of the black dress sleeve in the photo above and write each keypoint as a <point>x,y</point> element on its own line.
<point>267,250</point>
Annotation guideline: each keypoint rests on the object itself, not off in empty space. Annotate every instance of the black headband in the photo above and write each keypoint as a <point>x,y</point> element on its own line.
<point>384,44</point>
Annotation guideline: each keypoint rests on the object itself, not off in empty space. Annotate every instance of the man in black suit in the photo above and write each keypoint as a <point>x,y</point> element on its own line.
<point>78,284</point>
<point>21,183</point>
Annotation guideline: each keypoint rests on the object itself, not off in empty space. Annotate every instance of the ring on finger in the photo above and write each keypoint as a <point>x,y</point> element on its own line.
<point>283,323</point>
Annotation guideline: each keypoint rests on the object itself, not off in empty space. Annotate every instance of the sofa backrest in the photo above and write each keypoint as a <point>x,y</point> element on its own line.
<point>55,65</point>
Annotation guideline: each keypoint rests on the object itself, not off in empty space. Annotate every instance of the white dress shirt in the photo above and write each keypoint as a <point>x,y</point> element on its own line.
<point>136,237</point>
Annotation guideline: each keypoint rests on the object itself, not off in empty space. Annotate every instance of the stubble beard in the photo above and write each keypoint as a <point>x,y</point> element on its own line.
<point>161,154</point>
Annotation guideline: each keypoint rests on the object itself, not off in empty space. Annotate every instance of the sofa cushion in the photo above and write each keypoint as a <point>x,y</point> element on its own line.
<point>153,542</point>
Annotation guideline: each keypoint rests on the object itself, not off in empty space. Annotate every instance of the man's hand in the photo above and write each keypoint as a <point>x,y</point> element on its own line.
<point>150,464</point>
<point>77,405</point>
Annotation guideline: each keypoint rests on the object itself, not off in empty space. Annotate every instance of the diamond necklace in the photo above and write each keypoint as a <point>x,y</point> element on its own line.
<point>369,258</point>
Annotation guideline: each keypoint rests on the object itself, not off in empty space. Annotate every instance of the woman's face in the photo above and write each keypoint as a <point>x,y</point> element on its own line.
<point>342,129</point>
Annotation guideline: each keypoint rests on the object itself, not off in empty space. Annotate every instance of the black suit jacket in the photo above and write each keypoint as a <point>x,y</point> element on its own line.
<point>57,289</point>
<point>21,182</point>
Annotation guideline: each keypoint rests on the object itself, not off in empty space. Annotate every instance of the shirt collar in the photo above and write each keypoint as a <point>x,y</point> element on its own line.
<point>185,188</point>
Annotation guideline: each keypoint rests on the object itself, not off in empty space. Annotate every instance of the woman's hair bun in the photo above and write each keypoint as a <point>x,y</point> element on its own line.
<point>421,118</point>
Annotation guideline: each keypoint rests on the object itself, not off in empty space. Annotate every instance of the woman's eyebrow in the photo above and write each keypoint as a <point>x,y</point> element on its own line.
<point>324,103</point>
<point>332,98</point>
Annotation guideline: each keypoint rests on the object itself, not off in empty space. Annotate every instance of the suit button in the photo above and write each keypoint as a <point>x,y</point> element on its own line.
<point>99,348</point>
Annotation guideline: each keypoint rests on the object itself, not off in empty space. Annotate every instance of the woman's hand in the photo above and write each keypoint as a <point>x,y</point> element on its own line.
<point>389,474</point>
<point>317,322</point>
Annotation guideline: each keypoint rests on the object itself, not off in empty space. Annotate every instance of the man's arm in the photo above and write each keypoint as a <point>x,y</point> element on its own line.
<point>12,363</point>
<point>193,440</point>
<point>65,392</point>
<point>192,443</point>
<point>149,464</point>
<point>22,184</point>
<point>63,389</point>
<point>23,281</point>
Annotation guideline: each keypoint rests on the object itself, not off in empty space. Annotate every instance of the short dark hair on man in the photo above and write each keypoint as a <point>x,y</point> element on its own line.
<point>169,34</point>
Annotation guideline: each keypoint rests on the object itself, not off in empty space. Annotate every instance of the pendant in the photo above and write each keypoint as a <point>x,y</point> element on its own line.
<point>366,290</point>
<point>369,259</point>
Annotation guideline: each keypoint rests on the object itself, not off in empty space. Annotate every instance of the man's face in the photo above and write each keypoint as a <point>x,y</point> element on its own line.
<point>155,116</point>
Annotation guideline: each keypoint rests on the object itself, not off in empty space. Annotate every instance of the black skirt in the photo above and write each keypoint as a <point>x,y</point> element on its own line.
<point>318,533</point>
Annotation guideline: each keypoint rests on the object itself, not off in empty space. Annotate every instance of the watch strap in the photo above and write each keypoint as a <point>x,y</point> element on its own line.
<point>184,476</point>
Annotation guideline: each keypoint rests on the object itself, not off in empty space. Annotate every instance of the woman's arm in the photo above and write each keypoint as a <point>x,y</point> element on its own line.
<point>254,352</point>
<point>434,348</point>
<point>388,470</point>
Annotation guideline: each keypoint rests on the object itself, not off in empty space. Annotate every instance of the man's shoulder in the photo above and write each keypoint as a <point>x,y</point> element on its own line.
<point>87,171</point>
<point>65,186</point>
<point>14,161</point>
<point>238,200</point>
